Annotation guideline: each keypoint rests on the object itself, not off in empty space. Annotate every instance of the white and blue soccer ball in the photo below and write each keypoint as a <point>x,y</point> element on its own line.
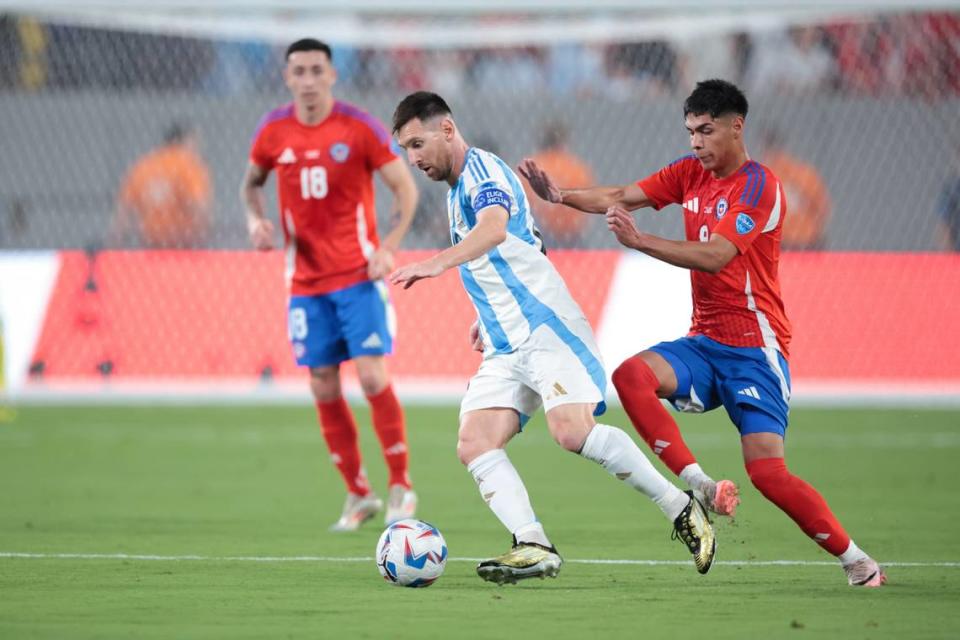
<point>411,553</point>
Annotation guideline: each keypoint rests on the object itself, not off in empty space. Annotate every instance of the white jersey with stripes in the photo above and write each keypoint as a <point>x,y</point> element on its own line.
<point>514,286</point>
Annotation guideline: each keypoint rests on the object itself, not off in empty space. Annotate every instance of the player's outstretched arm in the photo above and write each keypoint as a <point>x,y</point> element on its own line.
<point>709,256</point>
<point>490,231</point>
<point>398,179</point>
<point>251,197</point>
<point>590,199</point>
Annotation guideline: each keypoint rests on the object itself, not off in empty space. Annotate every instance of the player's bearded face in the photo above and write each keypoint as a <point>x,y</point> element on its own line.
<point>426,148</point>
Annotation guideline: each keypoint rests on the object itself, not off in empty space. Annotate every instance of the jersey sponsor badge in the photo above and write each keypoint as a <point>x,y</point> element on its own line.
<point>722,207</point>
<point>745,224</point>
<point>340,152</point>
<point>287,157</point>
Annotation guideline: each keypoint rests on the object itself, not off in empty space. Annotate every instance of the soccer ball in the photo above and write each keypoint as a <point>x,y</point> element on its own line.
<point>411,553</point>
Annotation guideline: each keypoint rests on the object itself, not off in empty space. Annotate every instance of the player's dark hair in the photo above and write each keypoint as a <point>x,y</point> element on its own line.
<point>717,98</point>
<point>309,44</point>
<point>423,105</point>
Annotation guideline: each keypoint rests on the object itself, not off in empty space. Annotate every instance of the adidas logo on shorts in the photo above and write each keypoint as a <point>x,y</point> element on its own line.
<point>373,341</point>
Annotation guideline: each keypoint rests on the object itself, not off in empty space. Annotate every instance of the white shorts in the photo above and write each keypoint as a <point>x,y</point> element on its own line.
<point>558,364</point>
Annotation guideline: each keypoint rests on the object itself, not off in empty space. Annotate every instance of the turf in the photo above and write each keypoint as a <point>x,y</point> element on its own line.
<point>245,490</point>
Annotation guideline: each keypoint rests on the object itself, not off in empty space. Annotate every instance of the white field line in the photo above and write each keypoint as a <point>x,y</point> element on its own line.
<point>278,559</point>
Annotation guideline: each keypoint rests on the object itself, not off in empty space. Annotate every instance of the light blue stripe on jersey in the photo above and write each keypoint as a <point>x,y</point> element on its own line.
<point>538,313</point>
<point>517,225</point>
<point>489,319</point>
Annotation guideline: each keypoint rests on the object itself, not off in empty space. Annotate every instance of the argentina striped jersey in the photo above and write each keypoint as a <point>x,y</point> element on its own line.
<point>514,287</point>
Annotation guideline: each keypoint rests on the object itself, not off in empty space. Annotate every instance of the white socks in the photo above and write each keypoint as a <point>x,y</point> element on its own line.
<point>616,452</point>
<point>503,490</point>
<point>695,478</point>
<point>852,554</point>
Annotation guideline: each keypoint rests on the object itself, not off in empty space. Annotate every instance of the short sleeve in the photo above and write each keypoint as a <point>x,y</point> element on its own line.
<point>380,145</point>
<point>758,209</point>
<point>261,153</point>
<point>667,185</point>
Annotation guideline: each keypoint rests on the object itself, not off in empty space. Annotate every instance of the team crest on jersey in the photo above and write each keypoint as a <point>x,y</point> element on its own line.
<point>745,224</point>
<point>722,207</point>
<point>340,152</point>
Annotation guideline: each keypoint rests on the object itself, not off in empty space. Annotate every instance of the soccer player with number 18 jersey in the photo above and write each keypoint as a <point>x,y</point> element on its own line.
<point>325,153</point>
<point>735,354</point>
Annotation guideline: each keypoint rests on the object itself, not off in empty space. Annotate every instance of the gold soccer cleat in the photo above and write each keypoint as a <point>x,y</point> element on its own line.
<point>693,528</point>
<point>524,560</point>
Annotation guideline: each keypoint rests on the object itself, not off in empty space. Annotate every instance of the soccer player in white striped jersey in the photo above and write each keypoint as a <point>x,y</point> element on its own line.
<point>537,347</point>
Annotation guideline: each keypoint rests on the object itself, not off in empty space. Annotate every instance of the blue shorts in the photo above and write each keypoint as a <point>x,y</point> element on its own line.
<point>710,374</point>
<point>330,328</point>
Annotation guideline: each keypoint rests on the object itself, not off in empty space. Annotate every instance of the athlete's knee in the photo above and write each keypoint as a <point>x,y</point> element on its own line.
<point>570,425</point>
<point>767,473</point>
<point>325,384</point>
<point>372,375</point>
<point>472,443</point>
<point>635,375</point>
<point>471,446</point>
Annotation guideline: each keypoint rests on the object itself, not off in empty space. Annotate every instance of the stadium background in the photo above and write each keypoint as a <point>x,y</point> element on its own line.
<point>122,516</point>
<point>867,93</point>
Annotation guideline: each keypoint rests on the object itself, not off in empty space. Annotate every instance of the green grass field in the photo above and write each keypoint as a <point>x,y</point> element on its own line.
<point>234,503</point>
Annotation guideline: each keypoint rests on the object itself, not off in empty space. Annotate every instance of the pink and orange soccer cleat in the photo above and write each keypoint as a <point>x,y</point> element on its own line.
<point>865,573</point>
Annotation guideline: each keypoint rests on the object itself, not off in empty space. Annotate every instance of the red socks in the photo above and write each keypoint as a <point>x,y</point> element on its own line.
<point>388,422</point>
<point>637,384</point>
<point>800,501</point>
<point>340,432</point>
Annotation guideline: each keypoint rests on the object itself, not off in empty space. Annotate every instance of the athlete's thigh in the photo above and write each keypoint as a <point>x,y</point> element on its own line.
<point>754,377</point>
<point>367,319</point>
<point>562,363</point>
<point>314,331</point>
<point>697,387</point>
<point>498,384</point>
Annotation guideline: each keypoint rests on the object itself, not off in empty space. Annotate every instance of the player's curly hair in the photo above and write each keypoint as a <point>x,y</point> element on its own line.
<point>717,98</point>
<point>422,105</point>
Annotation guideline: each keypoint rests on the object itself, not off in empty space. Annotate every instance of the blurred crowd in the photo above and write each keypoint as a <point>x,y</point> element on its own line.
<point>895,54</point>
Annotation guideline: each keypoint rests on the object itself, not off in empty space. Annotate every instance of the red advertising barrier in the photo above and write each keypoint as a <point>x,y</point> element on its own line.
<point>161,315</point>
<point>222,314</point>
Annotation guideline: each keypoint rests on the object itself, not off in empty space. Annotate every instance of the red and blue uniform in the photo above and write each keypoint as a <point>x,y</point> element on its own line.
<point>327,212</point>
<point>736,351</point>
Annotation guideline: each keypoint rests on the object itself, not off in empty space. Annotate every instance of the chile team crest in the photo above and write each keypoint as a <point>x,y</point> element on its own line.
<point>340,152</point>
<point>722,207</point>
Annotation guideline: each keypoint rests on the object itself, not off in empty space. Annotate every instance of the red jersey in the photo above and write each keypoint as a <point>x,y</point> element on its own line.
<point>325,184</point>
<point>741,305</point>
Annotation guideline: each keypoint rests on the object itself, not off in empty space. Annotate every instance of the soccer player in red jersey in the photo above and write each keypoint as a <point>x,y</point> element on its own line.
<point>735,354</point>
<point>325,153</point>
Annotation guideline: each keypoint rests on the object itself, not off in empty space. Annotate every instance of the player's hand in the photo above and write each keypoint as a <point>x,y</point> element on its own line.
<point>476,340</point>
<point>261,233</point>
<point>380,264</point>
<point>410,273</point>
<point>620,222</point>
<point>539,181</point>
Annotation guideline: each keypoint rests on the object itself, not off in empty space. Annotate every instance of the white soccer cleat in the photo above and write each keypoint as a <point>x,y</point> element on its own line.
<point>356,511</point>
<point>865,573</point>
<point>401,504</point>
